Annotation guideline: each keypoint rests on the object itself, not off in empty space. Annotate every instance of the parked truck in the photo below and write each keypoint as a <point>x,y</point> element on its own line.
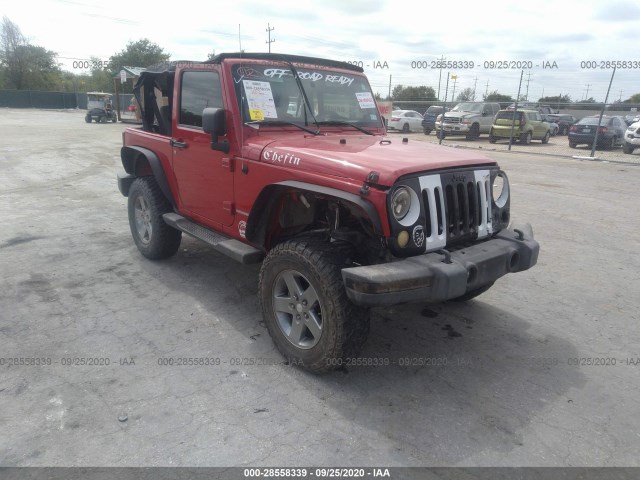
<point>284,160</point>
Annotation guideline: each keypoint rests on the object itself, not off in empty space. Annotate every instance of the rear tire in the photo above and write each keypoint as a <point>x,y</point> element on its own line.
<point>305,306</point>
<point>427,131</point>
<point>153,237</point>
<point>87,118</point>
<point>492,138</point>
<point>545,139</point>
<point>572,144</point>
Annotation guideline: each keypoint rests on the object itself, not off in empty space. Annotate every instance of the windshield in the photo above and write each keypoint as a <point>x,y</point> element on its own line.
<point>468,107</point>
<point>270,93</point>
<point>508,115</point>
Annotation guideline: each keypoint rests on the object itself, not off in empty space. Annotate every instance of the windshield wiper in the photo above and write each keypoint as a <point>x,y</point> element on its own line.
<point>280,123</point>
<point>340,122</point>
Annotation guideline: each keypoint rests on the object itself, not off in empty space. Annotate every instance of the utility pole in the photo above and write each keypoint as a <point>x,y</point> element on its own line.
<point>440,77</point>
<point>239,39</point>
<point>588,85</point>
<point>389,96</point>
<point>475,81</point>
<point>455,80</point>
<point>526,95</point>
<point>269,30</point>
<point>486,91</point>
<point>620,99</point>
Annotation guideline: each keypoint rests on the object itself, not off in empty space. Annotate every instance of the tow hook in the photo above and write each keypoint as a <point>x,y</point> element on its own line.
<point>447,256</point>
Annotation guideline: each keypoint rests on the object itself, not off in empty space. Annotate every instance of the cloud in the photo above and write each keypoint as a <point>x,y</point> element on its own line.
<point>617,12</point>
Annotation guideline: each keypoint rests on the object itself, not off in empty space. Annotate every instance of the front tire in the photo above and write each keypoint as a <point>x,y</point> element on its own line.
<point>474,132</point>
<point>525,138</point>
<point>153,237</point>
<point>305,306</point>
<point>406,128</point>
<point>572,144</point>
<point>427,131</point>
<point>627,148</point>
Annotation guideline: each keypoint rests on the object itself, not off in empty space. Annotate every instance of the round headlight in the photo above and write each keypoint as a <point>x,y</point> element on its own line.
<point>401,203</point>
<point>500,190</point>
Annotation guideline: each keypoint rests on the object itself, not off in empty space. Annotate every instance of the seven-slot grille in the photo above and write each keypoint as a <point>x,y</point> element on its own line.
<point>451,119</point>
<point>457,207</point>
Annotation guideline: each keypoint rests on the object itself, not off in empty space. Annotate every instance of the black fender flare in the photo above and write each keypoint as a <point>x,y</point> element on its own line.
<point>256,223</point>
<point>131,156</point>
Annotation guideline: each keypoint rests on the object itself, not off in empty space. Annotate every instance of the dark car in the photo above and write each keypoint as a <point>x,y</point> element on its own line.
<point>610,131</point>
<point>429,119</point>
<point>564,122</point>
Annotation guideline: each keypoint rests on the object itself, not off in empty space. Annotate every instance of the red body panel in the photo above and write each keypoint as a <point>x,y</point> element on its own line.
<point>214,188</point>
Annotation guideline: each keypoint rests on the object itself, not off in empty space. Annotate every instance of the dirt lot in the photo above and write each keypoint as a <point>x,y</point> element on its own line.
<point>542,370</point>
<point>557,146</point>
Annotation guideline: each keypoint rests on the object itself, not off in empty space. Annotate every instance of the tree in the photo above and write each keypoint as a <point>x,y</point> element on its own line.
<point>633,99</point>
<point>421,93</point>
<point>587,104</point>
<point>25,66</point>
<point>498,97</point>
<point>466,95</point>
<point>142,53</point>
<point>557,102</point>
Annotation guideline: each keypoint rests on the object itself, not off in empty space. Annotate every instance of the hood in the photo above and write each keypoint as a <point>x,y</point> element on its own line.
<point>460,114</point>
<point>355,156</point>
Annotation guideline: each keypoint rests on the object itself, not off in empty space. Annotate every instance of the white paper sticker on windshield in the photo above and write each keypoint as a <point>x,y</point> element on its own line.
<point>365,100</point>
<point>260,99</point>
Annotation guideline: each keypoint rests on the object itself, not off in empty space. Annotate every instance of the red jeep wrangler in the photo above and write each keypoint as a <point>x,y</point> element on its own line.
<point>284,160</point>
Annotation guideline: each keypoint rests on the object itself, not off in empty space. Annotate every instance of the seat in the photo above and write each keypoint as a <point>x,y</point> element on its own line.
<point>165,120</point>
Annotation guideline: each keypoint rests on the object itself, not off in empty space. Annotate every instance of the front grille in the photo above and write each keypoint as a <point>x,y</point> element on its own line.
<point>457,207</point>
<point>451,119</point>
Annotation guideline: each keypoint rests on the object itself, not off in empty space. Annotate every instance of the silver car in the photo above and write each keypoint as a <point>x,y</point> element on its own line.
<point>405,121</point>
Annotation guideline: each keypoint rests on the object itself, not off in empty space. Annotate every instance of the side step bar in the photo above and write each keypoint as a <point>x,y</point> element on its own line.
<point>240,252</point>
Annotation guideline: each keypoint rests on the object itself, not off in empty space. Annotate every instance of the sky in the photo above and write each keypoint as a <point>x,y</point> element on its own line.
<point>395,42</point>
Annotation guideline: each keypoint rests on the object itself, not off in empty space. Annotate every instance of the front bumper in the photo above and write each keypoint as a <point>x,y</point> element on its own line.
<point>454,128</point>
<point>429,278</point>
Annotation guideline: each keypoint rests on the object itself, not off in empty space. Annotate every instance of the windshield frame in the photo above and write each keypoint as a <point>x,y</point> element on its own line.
<point>340,96</point>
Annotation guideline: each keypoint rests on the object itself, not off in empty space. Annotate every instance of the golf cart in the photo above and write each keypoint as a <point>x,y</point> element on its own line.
<point>100,108</point>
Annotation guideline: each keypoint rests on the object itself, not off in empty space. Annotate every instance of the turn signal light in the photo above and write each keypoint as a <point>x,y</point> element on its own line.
<point>403,239</point>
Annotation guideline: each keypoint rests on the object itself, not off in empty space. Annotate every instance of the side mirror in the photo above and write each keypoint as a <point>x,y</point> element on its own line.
<point>214,122</point>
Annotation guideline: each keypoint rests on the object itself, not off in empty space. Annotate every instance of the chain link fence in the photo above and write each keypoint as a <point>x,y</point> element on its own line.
<point>51,100</point>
